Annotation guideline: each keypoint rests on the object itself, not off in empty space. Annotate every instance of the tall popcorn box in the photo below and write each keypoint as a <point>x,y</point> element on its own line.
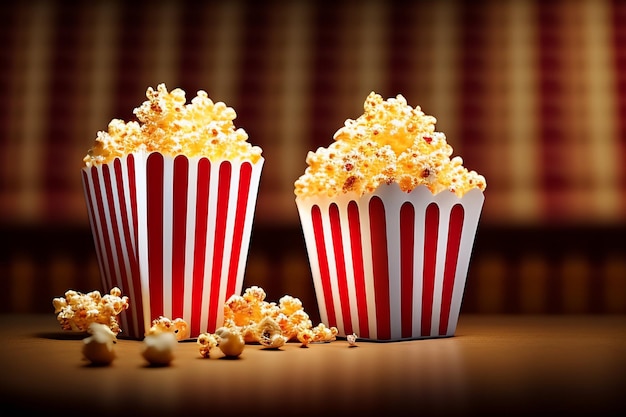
<point>173,234</point>
<point>391,265</point>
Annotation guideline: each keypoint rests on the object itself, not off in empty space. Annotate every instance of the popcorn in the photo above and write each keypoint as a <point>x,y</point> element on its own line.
<point>391,142</point>
<point>77,311</point>
<point>351,338</point>
<point>98,348</point>
<point>207,342</point>
<point>163,324</point>
<point>159,348</point>
<point>169,126</point>
<point>230,341</point>
<point>269,334</point>
<point>272,324</point>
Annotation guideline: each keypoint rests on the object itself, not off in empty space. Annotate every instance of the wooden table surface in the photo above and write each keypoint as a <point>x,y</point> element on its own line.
<point>494,365</point>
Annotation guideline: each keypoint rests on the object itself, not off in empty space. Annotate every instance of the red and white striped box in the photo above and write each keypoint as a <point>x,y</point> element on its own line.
<point>173,234</point>
<point>391,265</point>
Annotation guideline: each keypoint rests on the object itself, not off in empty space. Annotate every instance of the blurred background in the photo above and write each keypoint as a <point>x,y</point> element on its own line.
<point>532,94</point>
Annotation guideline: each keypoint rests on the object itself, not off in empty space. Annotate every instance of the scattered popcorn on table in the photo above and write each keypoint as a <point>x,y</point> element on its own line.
<point>391,142</point>
<point>272,324</point>
<point>159,348</point>
<point>77,311</point>
<point>168,125</point>
<point>207,342</point>
<point>230,341</point>
<point>269,334</point>
<point>178,326</point>
<point>351,338</point>
<point>98,348</point>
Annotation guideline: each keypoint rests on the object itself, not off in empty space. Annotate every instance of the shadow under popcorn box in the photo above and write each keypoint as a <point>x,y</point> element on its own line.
<point>391,265</point>
<point>173,234</point>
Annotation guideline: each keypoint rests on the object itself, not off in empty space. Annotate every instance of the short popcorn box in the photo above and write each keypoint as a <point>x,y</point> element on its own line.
<point>173,234</point>
<point>391,265</point>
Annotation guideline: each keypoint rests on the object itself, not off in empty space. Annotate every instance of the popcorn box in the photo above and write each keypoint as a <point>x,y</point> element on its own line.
<point>391,265</point>
<point>173,234</point>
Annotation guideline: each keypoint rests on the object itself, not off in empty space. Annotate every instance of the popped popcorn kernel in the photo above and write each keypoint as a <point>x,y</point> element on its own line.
<point>77,311</point>
<point>167,124</point>
<point>206,343</point>
<point>159,348</point>
<point>178,326</point>
<point>98,348</point>
<point>230,341</point>
<point>391,142</point>
<point>272,324</point>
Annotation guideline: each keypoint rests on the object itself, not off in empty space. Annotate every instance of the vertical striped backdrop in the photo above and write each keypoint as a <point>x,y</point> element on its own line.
<point>532,94</point>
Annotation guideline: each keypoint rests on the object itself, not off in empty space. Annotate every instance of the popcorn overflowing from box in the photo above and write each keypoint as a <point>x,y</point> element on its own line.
<point>171,199</point>
<point>389,221</point>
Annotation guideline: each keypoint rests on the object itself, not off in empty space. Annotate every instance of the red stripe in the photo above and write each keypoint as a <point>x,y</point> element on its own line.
<point>179,233</point>
<point>431,231</point>
<point>340,264</point>
<point>128,248</point>
<point>223,191</point>
<point>245,174</point>
<point>322,259</point>
<point>407,251</point>
<point>199,255</point>
<point>357,265</point>
<point>452,255</point>
<point>380,268</point>
<point>154,198</point>
<point>107,257</point>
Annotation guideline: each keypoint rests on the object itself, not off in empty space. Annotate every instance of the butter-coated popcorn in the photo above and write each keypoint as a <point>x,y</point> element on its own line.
<point>77,311</point>
<point>168,125</point>
<point>391,142</point>
<point>272,324</point>
<point>206,343</point>
<point>178,326</point>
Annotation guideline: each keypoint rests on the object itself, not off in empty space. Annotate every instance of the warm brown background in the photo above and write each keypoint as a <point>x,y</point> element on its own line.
<point>532,94</point>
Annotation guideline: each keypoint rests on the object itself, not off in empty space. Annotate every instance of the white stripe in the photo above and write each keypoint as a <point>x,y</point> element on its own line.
<point>368,266</point>
<point>392,220</point>
<point>190,234</point>
<point>168,234</point>
<point>142,233</point>
<point>420,206</point>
